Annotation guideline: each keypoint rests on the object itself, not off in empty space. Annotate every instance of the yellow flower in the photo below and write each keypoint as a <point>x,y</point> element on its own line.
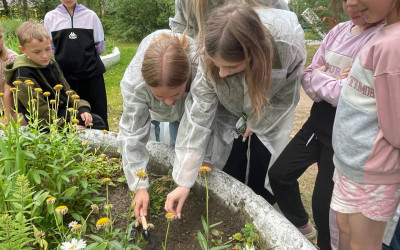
<point>95,208</point>
<point>170,217</point>
<point>62,210</point>
<point>204,171</point>
<point>51,200</point>
<point>13,89</point>
<point>40,235</point>
<point>53,132</point>
<point>29,82</point>
<point>84,143</point>
<point>33,100</point>
<point>141,174</point>
<point>1,94</point>
<point>68,92</point>
<point>58,87</point>
<point>106,180</point>
<point>108,206</point>
<point>38,90</point>
<point>75,96</point>
<point>90,124</point>
<point>52,101</point>
<point>105,131</point>
<point>17,82</point>
<point>76,229</point>
<point>46,93</point>
<point>75,121</point>
<point>77,101</point>
<point>103,223</point>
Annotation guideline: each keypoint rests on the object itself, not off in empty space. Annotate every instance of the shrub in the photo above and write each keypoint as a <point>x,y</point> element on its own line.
<point>129,20</point>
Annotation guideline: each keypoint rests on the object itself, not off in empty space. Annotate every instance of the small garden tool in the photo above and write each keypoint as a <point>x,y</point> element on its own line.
<point>146,233</point>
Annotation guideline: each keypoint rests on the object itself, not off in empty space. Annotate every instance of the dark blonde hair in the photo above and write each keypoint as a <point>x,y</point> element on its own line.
<point>3,50</point>
<point>166,63</point>
<point>235,33</point>
<point>28,31</point>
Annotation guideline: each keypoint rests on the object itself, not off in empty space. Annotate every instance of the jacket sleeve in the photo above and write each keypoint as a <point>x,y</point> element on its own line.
<point>135,123</point>
<point>194,130</point>
<point>318,84</point>
<point>388,106</point>
<point>180,20</point>
<point>98,35</point>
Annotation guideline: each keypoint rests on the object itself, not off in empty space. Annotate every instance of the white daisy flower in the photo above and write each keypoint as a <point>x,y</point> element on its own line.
<point>72,224</point>
<point>73,244</point>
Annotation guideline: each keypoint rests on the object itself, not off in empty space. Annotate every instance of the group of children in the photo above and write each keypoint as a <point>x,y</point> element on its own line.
<point>229,76</point>
<point>76,44</point>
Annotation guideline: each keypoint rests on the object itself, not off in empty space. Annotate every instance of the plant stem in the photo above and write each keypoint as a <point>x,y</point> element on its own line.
<point>166,237</point>
<point>207,197</point>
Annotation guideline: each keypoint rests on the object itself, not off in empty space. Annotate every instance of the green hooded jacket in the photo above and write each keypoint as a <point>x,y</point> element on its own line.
<point>45,78</point>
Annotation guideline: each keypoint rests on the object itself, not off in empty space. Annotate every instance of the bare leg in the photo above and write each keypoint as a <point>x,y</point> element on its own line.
<point>344,231</point>
<point>366,234</point>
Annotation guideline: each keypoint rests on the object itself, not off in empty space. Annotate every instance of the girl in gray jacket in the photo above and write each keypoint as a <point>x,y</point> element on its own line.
<point>249,71</point>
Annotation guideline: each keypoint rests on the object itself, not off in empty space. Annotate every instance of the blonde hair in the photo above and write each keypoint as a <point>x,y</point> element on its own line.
<point>4,49</point>
<point>28,31</point>
<point>166,63</point>
<point>235,33</point>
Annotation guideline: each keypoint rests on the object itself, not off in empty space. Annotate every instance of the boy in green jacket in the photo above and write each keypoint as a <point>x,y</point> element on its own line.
<point>36,71</point>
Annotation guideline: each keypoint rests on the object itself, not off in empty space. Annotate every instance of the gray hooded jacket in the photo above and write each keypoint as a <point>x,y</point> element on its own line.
<point>139,108</point>
<point>179,21</point>
<point>276,120</point>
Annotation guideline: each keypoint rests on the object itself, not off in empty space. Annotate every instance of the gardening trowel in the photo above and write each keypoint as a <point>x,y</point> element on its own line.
<point>146,232</point>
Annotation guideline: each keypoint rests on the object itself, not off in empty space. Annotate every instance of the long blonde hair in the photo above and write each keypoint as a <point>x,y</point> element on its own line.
<point>235,33</point>
<point>166,63</point>
<point>4,49</point>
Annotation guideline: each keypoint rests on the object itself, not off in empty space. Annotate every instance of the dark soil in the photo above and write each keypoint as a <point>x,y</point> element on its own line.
<point>182,232</point>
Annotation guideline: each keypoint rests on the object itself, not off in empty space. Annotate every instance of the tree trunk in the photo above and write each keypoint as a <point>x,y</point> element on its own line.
<point>6,8</point>
<point>24,9</point>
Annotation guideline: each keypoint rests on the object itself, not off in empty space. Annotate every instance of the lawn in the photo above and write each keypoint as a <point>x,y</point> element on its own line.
<point>113,78</point>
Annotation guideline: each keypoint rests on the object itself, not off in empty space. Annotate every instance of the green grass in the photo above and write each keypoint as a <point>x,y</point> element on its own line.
<point>113,78</point>
<point>311,49</point>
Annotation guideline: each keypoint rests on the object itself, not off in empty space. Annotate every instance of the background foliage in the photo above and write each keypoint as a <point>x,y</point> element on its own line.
<point>131,20</point>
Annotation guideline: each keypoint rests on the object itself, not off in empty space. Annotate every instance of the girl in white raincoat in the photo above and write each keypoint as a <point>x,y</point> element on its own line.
<point>199,10</point>
<point>250,71</point>
<point>152,89</point>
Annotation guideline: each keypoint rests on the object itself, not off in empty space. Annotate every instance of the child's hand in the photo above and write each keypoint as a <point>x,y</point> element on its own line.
<point>322,68</point>
<point>87,118</point>
<point>140,202</point>
<point>345,73</point>
<point>247,134</point>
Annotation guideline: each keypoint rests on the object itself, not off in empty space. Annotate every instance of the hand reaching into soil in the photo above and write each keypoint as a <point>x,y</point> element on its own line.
<point>179,195</point>
<point>140,202</point>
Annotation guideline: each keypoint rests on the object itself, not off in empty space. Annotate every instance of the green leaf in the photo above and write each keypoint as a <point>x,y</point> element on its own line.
<point>202,241</point>
<point>36,177</point>
<point>84,183</point>
<point>204,225</point>
<point>76,216</point>
<point>92,246</point>
<point>96,238</point>
<point>30,154</point>
<point>221,247</point>
<point>115,244</point>
<point>215,224</point>
<point>65,178</point>
<point>69,192</point>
